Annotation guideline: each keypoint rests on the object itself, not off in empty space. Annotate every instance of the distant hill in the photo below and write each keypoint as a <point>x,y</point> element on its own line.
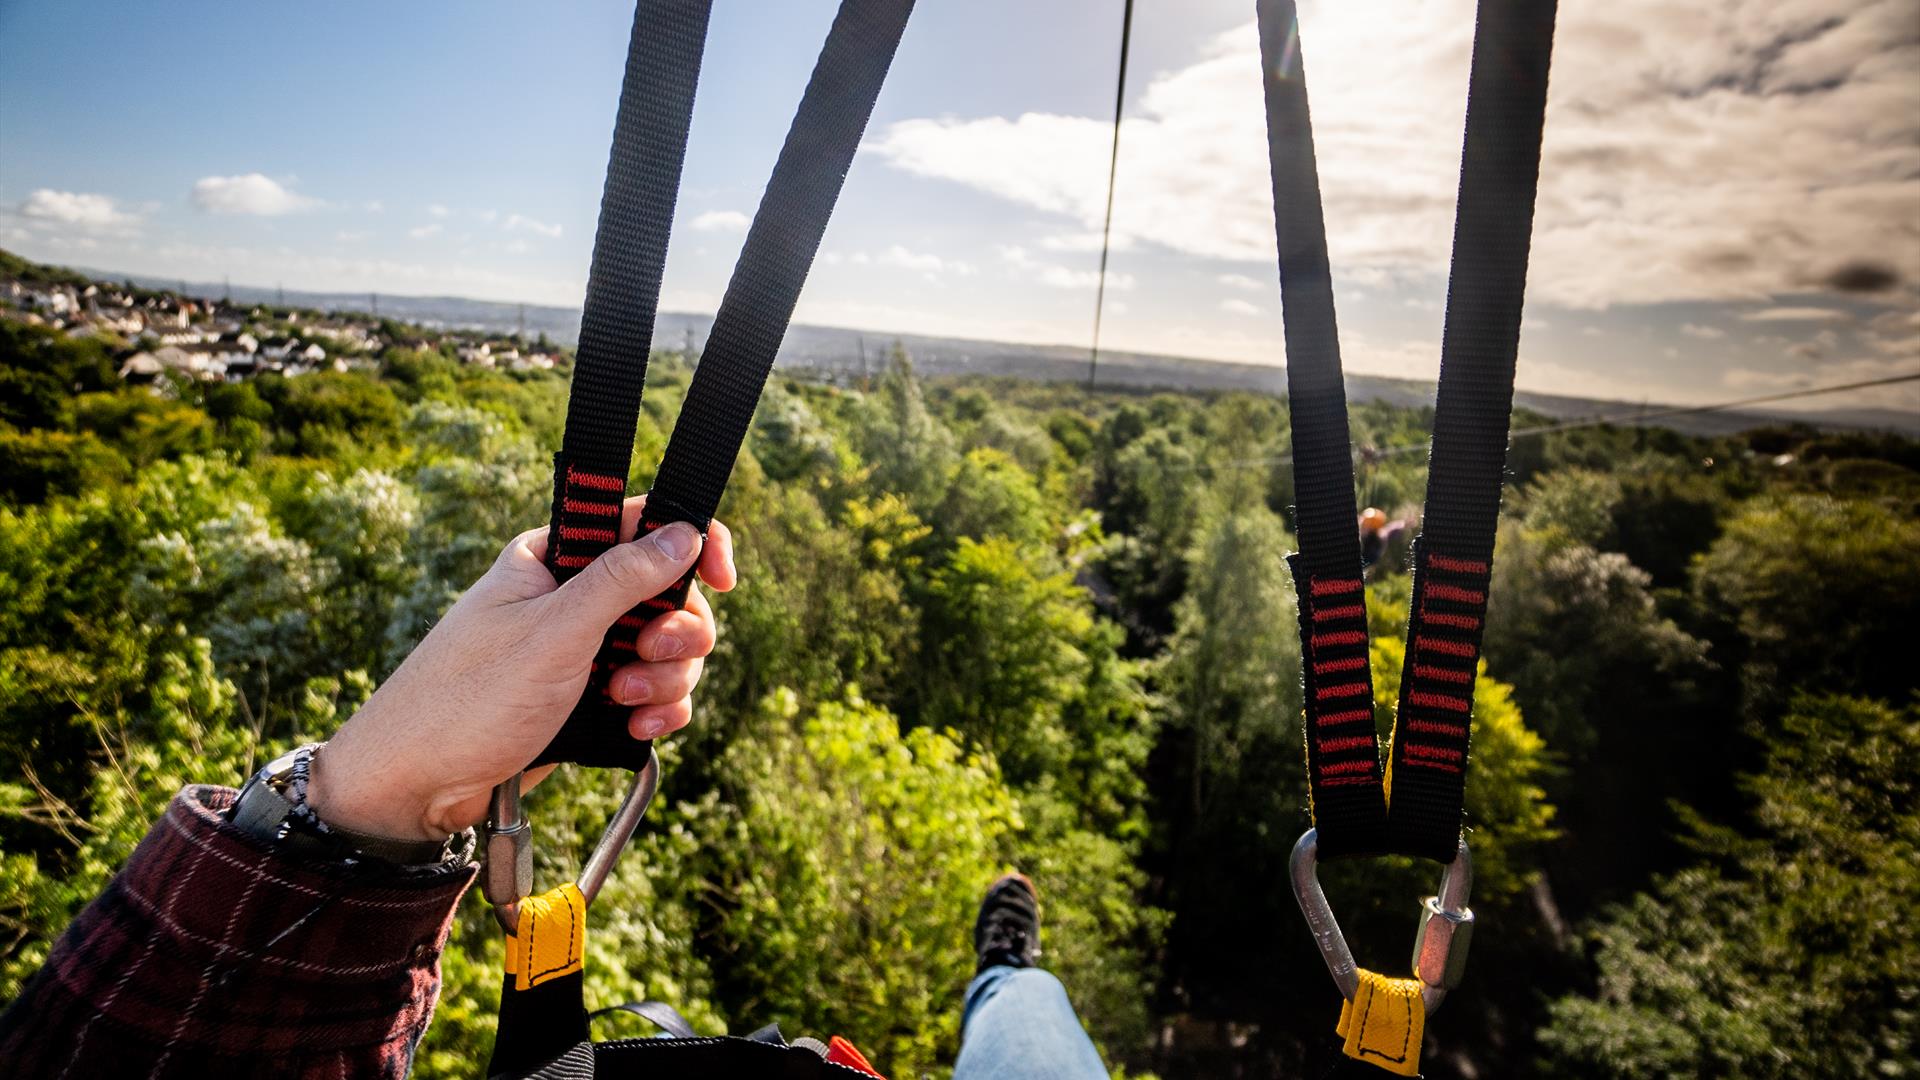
<point>828,348</point>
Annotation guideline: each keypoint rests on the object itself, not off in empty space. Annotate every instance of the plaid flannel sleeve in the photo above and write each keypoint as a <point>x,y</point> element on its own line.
<point>212,954</point>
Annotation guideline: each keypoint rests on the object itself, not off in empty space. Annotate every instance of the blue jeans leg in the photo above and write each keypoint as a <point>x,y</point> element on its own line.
<point>1019,1025</point>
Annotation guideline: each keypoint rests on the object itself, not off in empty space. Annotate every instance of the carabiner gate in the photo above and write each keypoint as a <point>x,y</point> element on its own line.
<point>508,876</point>
<point>1439,947</point>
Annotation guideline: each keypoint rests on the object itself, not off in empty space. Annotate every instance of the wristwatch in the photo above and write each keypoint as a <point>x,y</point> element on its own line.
<point>273,806</point>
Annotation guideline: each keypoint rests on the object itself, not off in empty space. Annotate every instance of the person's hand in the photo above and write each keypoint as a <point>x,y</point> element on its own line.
<point>494,680</point>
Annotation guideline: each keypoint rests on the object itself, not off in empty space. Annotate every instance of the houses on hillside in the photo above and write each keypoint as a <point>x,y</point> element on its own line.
<point>157,334</point>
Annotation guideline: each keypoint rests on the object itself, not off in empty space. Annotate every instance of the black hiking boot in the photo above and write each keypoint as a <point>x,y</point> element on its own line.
<point>1007,930</point>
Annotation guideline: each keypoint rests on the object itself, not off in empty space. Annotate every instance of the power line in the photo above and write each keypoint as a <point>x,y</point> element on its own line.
<point>1113,169</point>
<point>1637,416</point>
<point>1686,410</point>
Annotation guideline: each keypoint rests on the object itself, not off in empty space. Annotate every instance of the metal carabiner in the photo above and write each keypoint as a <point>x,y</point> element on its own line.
<point>1439,948</point>
<point>508,876</point>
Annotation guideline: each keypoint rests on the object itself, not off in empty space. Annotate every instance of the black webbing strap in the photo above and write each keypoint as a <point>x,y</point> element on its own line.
<point>538,1024</point>
<point>774,263</point>
<point>747,331</point>
<point>1506,107</point>
<point>1492,237</point>
<point>1343,754</point>
<point>616,329</point>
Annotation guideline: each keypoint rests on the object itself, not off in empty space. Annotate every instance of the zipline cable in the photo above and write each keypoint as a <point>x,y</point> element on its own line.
<point>1689,410</point>
<point>1113,169</point>
<point>1635,417</point>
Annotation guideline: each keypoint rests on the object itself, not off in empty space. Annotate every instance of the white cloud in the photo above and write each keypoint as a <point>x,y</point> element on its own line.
<point>75,208</point>
<point>422,232</point>
<point>436,210</point>
<point>1084,241</point>
<point>1055,276</point>
<point>1736,150</point>
<point>1243,283</point>
<point>1794,314</point>
<point>925,262</point>
<point>518,223</point>
<point>1237,306</point>
<point>375,206</point>
<point>1704,333</point>
<point>1061,277</point>
<point>252,193</point>
<point>721,221</point>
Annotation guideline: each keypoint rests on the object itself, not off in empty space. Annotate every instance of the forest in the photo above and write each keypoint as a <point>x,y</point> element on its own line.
<point>992,624</point>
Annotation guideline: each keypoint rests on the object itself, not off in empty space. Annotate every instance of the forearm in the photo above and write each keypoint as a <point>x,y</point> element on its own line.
<point>209,951</point>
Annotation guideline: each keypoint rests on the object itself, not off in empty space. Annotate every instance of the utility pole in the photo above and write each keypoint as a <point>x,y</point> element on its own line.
<point>373,299</point>
<point>523,324</point>
<point>279,295</point>
<point>688,347</point>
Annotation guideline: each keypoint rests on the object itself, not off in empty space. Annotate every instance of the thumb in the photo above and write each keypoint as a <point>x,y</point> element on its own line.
<point>623,576</point>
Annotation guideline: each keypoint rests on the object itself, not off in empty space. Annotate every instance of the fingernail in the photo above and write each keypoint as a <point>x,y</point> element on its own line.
<point>650,729</point>
<point>676,540</point>
<point>633,689</point>
<point>667,646</point>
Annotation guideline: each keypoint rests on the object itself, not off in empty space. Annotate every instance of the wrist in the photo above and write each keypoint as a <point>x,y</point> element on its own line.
<point>348,794</point>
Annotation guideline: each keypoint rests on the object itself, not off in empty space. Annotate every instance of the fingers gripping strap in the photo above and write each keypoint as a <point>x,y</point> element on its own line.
<point>586,514</point>
<point>746,335</point>
<point>616,334</point>
<point>1383,1023</point>
<point>550,938</point>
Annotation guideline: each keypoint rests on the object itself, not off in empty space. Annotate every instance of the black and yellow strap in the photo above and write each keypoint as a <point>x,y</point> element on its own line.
<point>1412,805</point>
<point>542,1017</point>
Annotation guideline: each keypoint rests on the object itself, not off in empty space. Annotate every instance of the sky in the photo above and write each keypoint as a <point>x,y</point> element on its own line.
<point>1729,205</point>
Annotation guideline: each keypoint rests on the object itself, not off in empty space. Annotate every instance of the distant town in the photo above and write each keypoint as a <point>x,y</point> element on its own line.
<point>155,332</point>
<point>152,329</point>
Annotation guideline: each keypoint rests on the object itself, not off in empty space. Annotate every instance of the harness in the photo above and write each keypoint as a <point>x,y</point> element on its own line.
<point>1413,806</point>
<point>543,1029</point>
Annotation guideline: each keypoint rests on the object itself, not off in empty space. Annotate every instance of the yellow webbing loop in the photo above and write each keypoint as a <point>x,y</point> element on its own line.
<point>1383,1022</point>
<point>550,937</point>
